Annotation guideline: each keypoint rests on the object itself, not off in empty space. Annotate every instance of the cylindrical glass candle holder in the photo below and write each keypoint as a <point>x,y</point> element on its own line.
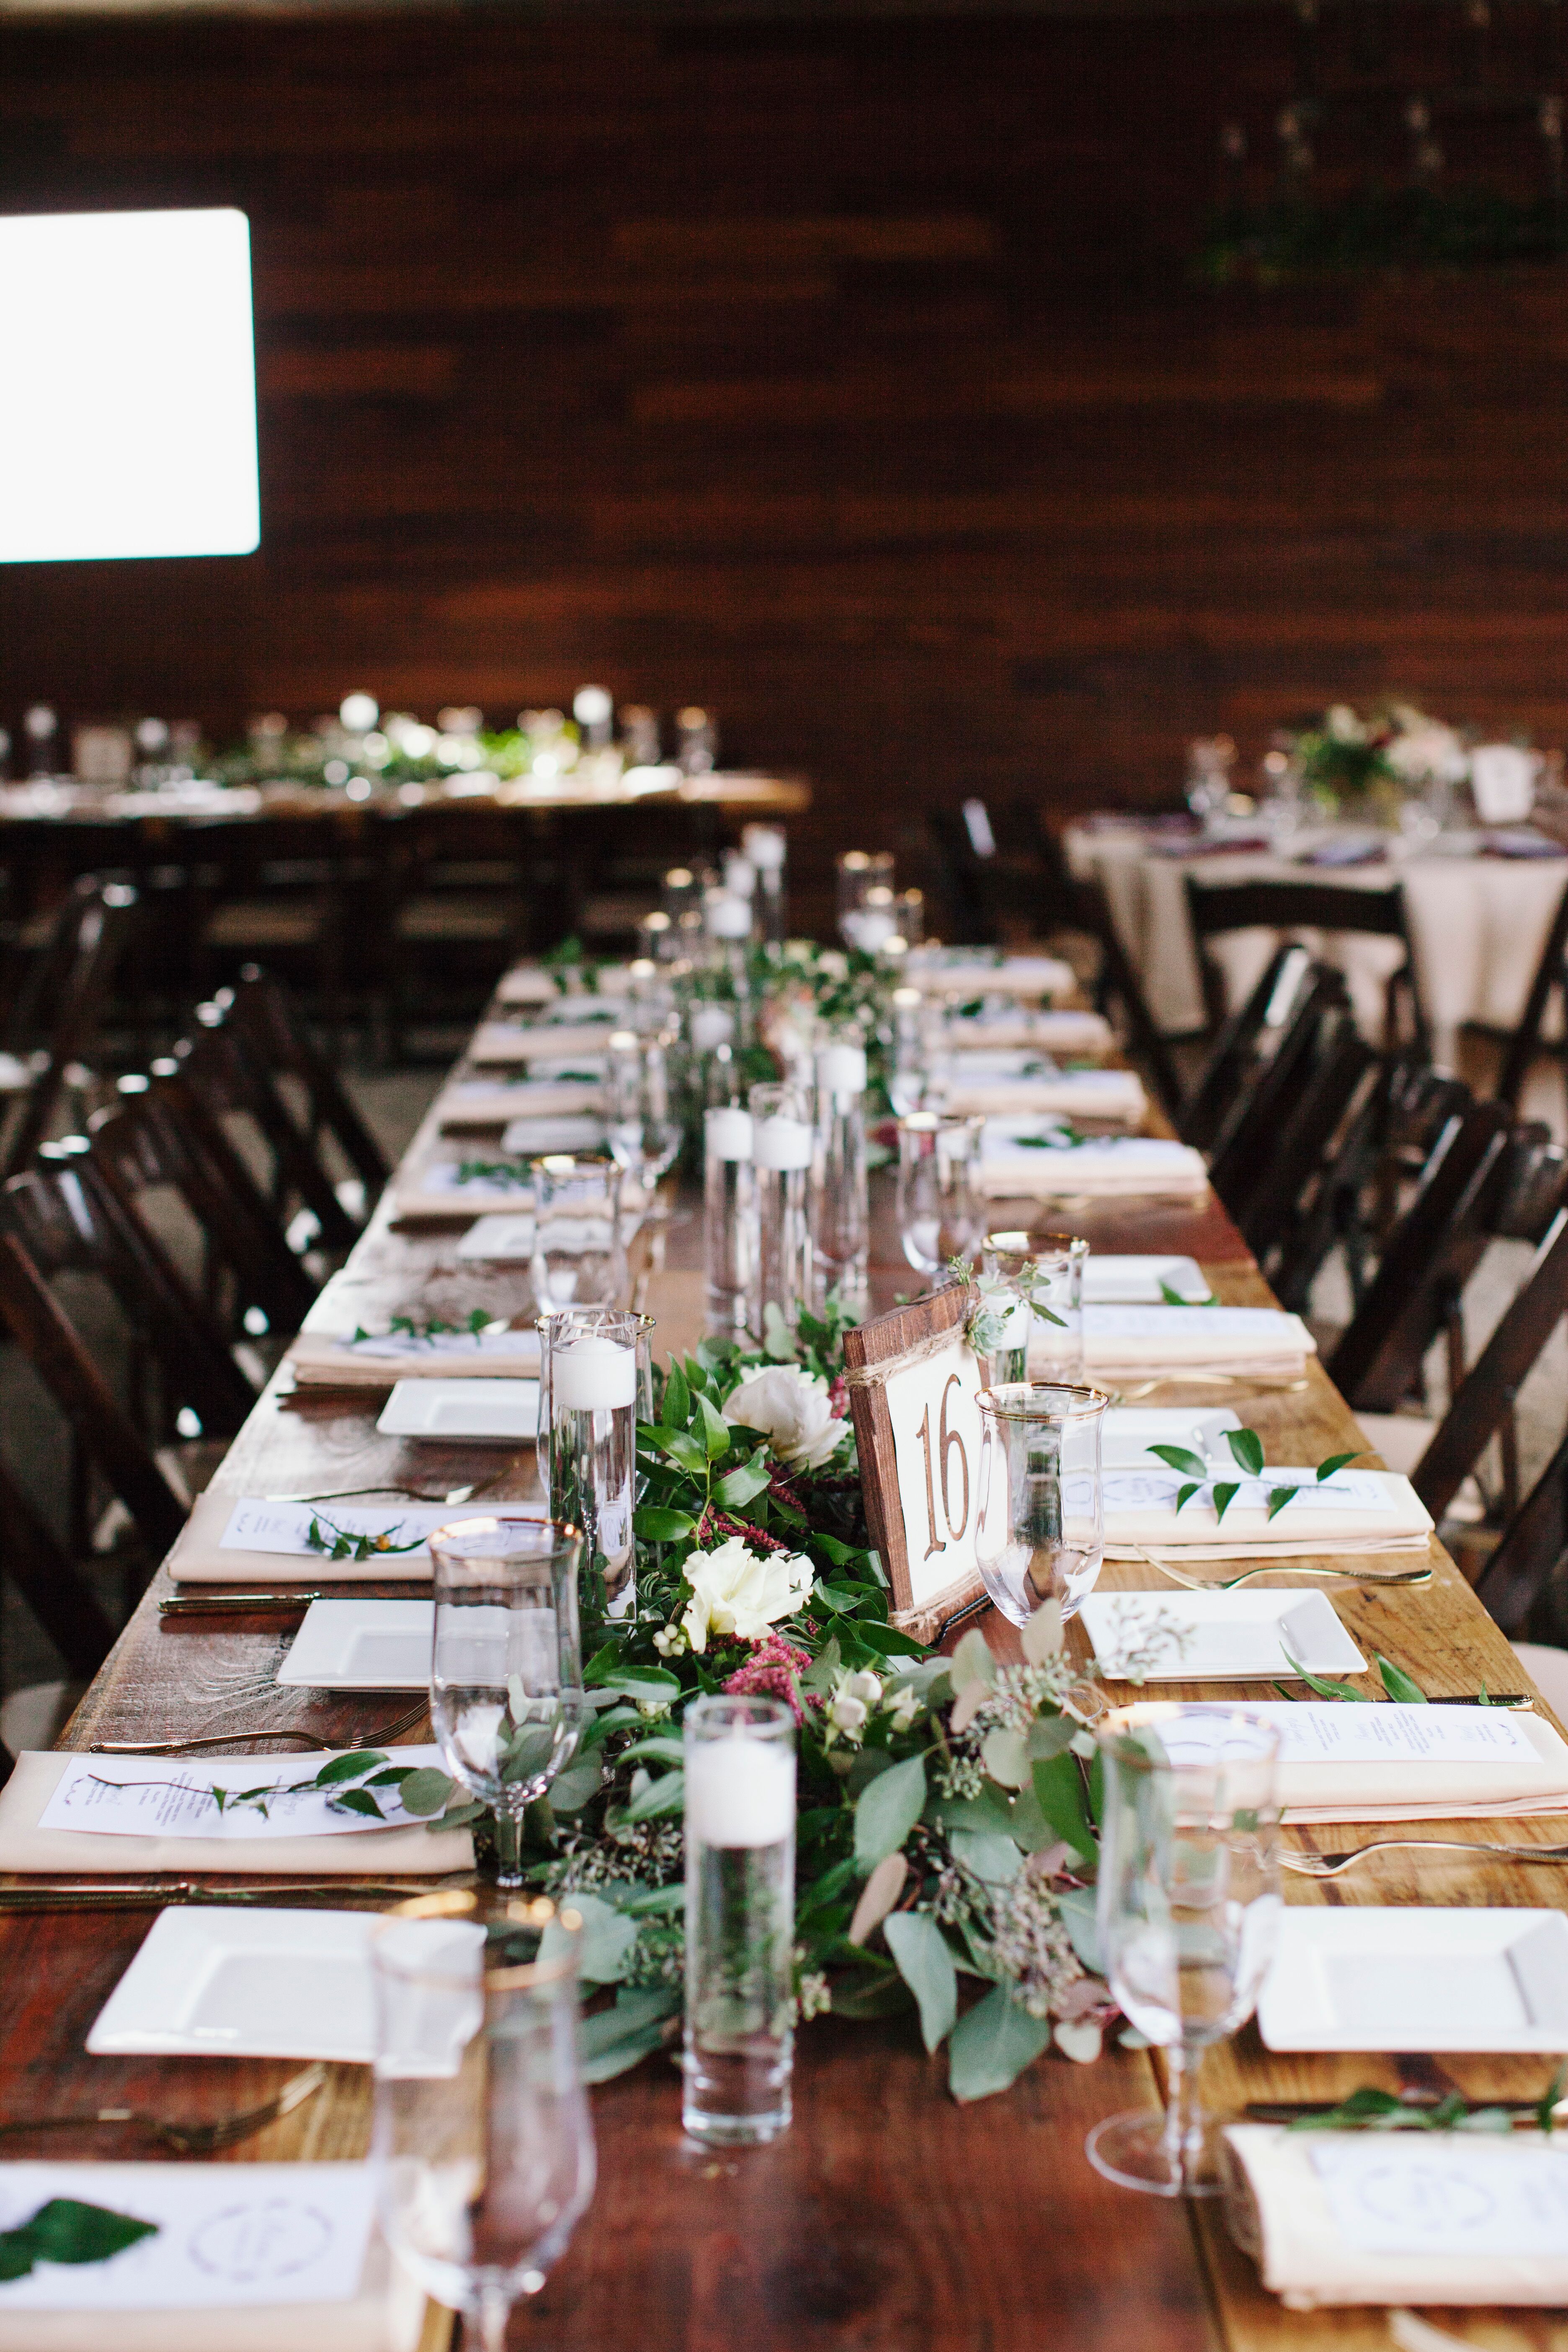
<point>859,872</point>
<point>1043,1273</point>
<point>939,1215</point>
<point>840,1206</point>
<point>578,1258</point>
<point>767,848</point>
<point>783,1143</point>
<point>739,1919</point>
<point>729,1218</point>
<point>644,1132</point>
<point>593,1405</point>
<point>506,1669</point>
<point>910,908</point>
<point>871,924</point>
<point>588,1318</point>
<point>1040,1524</point>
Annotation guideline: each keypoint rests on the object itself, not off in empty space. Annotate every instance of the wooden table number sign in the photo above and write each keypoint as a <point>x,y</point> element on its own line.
<point>913,1380</point>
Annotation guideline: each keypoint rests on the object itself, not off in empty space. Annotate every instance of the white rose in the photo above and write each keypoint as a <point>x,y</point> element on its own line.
<point>740,1592</point>
<point>846,1712</point>
<point>864,1686</point>
<point>792,1408</point>
<point>1428,751</point>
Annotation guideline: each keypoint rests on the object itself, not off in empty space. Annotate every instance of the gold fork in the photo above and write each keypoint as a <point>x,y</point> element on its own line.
<point>388,1731</point>
<point>1331,1866</point>
<point>1281,1568</point>
<point>189,2139</point>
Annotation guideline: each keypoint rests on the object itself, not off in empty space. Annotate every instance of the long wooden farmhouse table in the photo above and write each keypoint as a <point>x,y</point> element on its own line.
<point>887,2220</point>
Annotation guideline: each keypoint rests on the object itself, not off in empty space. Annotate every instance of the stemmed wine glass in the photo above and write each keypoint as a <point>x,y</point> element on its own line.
<point>1188,1908</point>
<point>482,2144</point>
<point>506,1670</point>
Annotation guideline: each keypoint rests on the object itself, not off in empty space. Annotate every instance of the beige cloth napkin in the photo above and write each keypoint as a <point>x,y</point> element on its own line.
<point>1305,1528</point>
<point>474,1104</point>
<point>1027,976</point>
<point>1053,1032</point>
<point>318,1361</point>
<point>1278,2211</point>
<point>1076,1094</point>
<point>198,1557</point>
<point>430,1190</point>
<point>499,1041</point>
<point>1116,1168</point>
<point>1137,1339</point>
<point>1319,1792</point>
<point>357,1853</point>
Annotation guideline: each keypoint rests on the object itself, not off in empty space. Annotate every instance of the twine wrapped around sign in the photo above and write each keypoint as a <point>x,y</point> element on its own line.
<point>934,1343</point>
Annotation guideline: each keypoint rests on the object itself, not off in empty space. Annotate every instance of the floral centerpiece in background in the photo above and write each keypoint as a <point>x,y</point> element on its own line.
<point>1352,766</point>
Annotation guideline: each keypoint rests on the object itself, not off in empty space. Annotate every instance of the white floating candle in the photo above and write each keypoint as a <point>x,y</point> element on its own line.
<point>841,1069</point>
<point>591,1373</point>
<point>727,1134</point>
<point>783,1142</point>
<point>727,918</point>
<point>711,1024</point>
<point>739,1790</point>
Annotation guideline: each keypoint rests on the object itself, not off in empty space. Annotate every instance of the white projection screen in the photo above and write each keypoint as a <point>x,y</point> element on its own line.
<point>128,388</point>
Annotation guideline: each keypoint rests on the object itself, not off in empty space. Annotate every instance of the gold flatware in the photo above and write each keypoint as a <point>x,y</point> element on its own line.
<point>1259,1380</point>
<point>187,2139</point>
<point>1333,1865</point>
<point>1405,1576</point>
<point>142,1894</point>
<point>388,1731</point>
<point>288,1600</point>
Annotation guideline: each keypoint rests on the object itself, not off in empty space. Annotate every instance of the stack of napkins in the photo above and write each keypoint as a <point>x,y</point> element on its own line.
<point>1030,1155</point>
<point>1353,1511</point>
<point>552,1041</point>
<point>319,1360</point>
<point>1116,1096</point>
<point>496,1102</point>
<point>1431,2217</point>
<point>1249,1341</point>
<point>1379,1762</point>
<point>1047,1033</point>
<point>253,1539</point>
<point>529,983</point>
<point>1028,976</point>
<point>132,1813</point>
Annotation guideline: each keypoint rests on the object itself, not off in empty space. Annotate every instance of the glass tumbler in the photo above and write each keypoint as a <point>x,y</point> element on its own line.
<point>940,1214</point>
<point>1188,1910</point>
<point>1039,1527</point>
<point>482,2144</point>
<point>739,1919</point>
<point>578,1258</point>
<point>1045,1271</point>
<point>506,1665</point>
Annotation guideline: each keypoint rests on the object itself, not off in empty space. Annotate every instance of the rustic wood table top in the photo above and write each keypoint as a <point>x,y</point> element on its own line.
<point>889,2219</point>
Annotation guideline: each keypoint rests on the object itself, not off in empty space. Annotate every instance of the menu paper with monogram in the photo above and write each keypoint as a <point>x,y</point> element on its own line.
<point>913,1380</point>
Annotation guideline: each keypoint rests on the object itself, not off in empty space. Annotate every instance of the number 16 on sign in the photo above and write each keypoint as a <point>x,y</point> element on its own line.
<point>936,1444</point>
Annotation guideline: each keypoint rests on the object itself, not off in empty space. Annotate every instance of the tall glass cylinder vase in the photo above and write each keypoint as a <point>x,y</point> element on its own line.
<point>729,1218</point>
<point>841,1208</point>
<point>587,1318</point>
<point>1043,1273</point>
<point>767,847</point>
<point>593,1455</point>
<point>506,1672</point>
<point>579,1258</point>
<point>1039,1527</point>
<point>939,1215</point>
<point>783,1141</point>
<point>739,1919</point>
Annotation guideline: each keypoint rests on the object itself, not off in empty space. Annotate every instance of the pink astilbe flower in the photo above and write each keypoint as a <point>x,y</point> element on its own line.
<point>838,1399</point>
<point>770,1673</point>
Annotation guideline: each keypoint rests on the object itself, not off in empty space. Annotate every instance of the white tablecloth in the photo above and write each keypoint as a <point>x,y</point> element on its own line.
<point>1477,926</point>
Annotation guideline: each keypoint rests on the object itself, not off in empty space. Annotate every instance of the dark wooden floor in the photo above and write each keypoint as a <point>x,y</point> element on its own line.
<point>844,375</point>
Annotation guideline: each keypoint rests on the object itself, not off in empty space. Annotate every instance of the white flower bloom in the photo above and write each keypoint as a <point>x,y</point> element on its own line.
<point>846,1712</point>
<point>865,1685</point>
<point>1425,751</point>
<point>791,1407</point>
<point>1343,726</point>
<point>906,1706</point>
<point>740,1592</point>
<point>833,963</point>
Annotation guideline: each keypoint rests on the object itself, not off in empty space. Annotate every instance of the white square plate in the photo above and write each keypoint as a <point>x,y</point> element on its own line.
<point>504,1241</point>
<point>1231,1636</point>
<point>246,1984</point>
<point>492,1412</point>
<point>363,1645</point>
<point>1135,1281</point>
<point>1127,1432</point>
<point>1417,1979</point>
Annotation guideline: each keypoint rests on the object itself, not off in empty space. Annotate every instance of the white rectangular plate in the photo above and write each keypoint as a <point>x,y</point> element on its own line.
<point>1135,1281</point>
<point>504,1241</point>
<point>1417,1979</point>
<point>363,1645</point>
<point>246,1984</point>
<point>491,1412</point>
<point>1231,1636</point>
<point>1128,1430</point>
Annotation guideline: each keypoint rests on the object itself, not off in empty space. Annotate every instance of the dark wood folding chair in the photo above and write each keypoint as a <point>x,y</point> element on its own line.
<point>1527,1041</point>
<point>243,1098</point>
<point>73,981</point>
<point>1292,907</point>
<point>267,1015</point>
<point>1246,1039</point>
<point>1431,1253</point>
<point>1288,1195</point>
<point>160,1136</point>
<point>1247,1146</point>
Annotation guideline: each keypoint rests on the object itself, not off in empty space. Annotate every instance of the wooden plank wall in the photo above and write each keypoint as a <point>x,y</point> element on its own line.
<point>841,375</point>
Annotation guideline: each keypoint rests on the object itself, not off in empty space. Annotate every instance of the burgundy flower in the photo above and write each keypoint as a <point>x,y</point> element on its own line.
<point>770,1673</point>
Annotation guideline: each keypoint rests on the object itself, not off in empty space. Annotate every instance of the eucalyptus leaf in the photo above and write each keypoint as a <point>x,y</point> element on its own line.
<point>972,1662</point>
<point>995,1861</point>
<point>426,1790</point>
<point>607,1940</point>
<point>1003,1756</point>
<point>1078,1909</point>
<point>1247,1448</point>
<point>992,2044</point>
<point>616,2039</point>
<point>925,1963</point>
<point>665,1795</point>
<point>1059,1786</point>
<point>887,1810</point>
<point>577,1786</point>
